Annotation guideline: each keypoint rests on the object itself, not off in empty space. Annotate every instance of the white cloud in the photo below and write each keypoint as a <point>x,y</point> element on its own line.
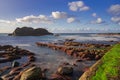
<point>85,8</point>
<point>116,19</point>
<point>59,15</point>
<point>34,19</point>
<point>115,10</point>
<point>5,21</point>
<point>78,5</point>
<point>94,15</point>
<point>71,19</point>
<point>97,21</point>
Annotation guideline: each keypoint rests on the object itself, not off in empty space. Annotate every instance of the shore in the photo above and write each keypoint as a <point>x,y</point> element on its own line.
<point>82,52</point>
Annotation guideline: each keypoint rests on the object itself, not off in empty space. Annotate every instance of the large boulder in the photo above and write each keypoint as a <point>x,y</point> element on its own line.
<point>28,31</point>
<point>33,73</point>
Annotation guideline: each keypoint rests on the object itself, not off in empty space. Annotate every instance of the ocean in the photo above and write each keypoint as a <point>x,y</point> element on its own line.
<point>49,58</point>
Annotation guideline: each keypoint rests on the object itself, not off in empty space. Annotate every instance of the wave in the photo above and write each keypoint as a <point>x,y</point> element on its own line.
<point>22,44</point>
<point>92,38</point>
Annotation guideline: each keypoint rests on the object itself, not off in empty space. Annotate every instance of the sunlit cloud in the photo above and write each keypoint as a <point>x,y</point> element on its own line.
<point>94,15</point>
<point>78,6</point>
<point>59,15</point>
<point>98,21</point>
<point>115,10</point>
<point>71,19</point>
<point>34,19</point>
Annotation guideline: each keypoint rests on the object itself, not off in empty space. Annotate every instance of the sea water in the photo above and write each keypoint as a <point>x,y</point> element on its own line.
<point>48,58</point>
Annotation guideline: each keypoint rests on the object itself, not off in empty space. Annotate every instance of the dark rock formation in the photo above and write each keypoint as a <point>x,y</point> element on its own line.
<point>34,73</point>
<point>28,31</point>
<point>65,70</point>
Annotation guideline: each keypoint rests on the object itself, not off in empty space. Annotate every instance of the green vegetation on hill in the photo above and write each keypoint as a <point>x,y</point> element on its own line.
<point>110,67</point>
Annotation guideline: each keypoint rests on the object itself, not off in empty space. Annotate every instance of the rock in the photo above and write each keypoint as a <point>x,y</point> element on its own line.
<point>26,64</point>
<point>28,31</point>
<point>15,64</point>
<point>7,77</point>
<point>5,68</point>
<point>15,70</point>
<point>45,70</point>
<point>59,77</point>
<point>74,64</point>
<point>65,70</point>
<point>33,73</point>
<point>1,78</point>
<point>66,63</point>
<point>31,58</point>
<point>79,60</point>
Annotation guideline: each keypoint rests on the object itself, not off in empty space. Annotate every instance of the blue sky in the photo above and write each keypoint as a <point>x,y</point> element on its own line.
<point>61,15</point>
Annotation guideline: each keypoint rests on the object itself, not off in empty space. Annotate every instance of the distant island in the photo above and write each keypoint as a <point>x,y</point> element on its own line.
<point>28,31</point>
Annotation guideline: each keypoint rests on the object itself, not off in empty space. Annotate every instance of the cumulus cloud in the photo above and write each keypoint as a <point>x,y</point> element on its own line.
<point>59,15</point>
<point>34,19</point>
<point>71,19</point>
<point>63,15</point>
<point>98,21</point>
<point>116,20</point>
<point>115,11</point>
<point>94,15</point>
<point>78,6</point>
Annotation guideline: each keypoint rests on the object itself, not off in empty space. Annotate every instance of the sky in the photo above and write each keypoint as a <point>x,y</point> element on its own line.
<point>61,16</point>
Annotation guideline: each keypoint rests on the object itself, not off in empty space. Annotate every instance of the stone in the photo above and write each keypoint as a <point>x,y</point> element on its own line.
<point>64,70</point>
<point>33,73</point>
<point>59,77</point>
<point>31,58</point>
<point>15,64</point>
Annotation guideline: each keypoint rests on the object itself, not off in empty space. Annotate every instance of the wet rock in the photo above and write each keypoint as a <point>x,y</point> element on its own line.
<point>66,63</point>
<point>26,64</point>
<point>33,73</point>
<point>7,77</point>
<point>45,70</point>
<point>70,52</point>
<point>65,70</point>
<point>86,69</point>
<point>15,64</point>
<point>59,77</point>
<point>15,70</point>
<point>6,47</point>
<point>74,64</point>
<point>5,68</point>
<point>1,78</point>
<point>79,60</point>
<point>31,58</point>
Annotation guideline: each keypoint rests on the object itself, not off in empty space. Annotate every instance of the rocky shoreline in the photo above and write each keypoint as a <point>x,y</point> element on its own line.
<point>83,51</point>
<point>28,70</point>
<point>9,53</point>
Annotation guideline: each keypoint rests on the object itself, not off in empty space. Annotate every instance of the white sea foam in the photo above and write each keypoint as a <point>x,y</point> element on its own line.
<point>92,38</point>
<point>22,45</point>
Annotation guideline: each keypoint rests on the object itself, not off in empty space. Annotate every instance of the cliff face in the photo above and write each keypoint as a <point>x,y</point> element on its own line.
<point>28,31</point>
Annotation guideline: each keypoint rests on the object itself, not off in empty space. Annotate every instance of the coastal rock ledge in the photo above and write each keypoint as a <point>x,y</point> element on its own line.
<point>28,31</point>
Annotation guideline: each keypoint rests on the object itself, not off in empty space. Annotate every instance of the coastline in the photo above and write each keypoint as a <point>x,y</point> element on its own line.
<point>79,63</point>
